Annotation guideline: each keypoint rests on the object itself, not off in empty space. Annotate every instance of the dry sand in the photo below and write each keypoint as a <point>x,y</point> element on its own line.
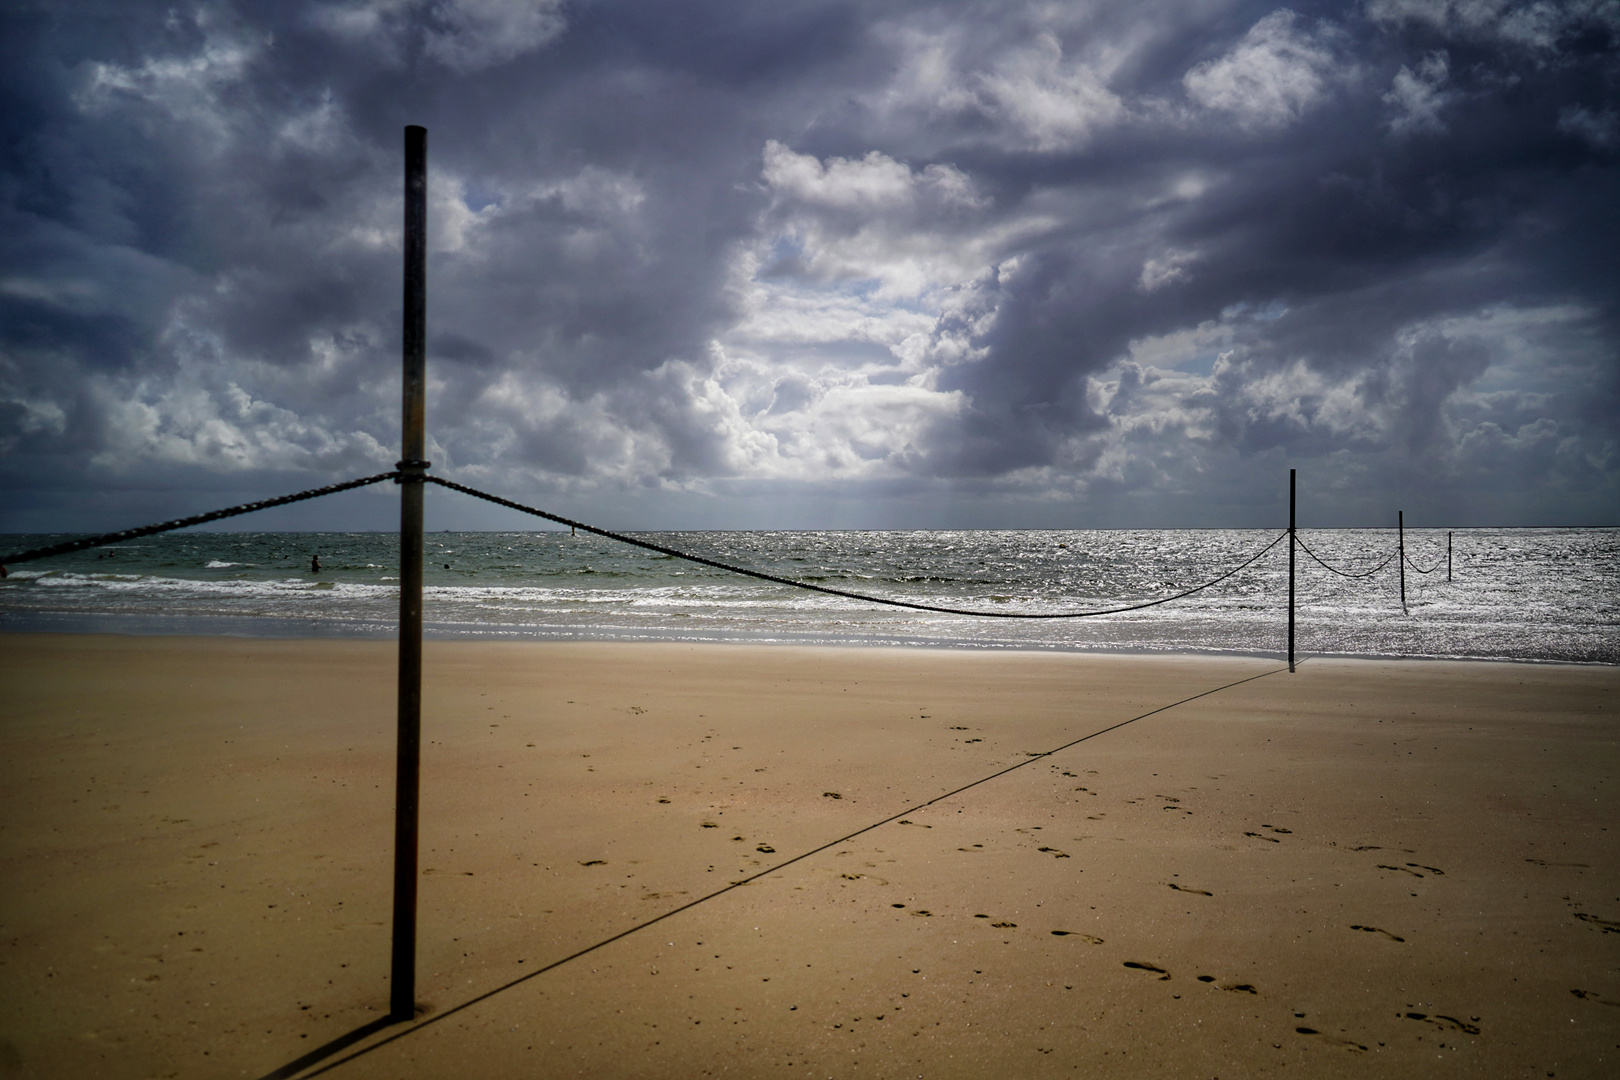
<point>1363,869</point>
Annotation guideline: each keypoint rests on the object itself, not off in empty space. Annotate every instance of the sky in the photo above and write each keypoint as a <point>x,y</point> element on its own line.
<point>731,264</point>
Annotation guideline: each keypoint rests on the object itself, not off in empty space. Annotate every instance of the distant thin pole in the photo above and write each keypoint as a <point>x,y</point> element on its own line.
<point>408,764</point>
<point>1290,571</point>
<point>1448,558</point>
<point>1400,525</point>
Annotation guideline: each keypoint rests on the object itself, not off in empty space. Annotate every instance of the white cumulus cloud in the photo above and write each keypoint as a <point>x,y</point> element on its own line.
<point>1057,104</point>
<point>1270,78</point>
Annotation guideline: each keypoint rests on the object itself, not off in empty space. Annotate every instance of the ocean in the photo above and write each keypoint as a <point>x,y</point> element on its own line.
<point>1519,594</point>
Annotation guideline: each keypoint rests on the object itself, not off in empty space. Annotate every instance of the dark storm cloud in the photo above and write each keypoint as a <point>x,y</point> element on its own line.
<point>1373,219</point>
<point>1001,257</point>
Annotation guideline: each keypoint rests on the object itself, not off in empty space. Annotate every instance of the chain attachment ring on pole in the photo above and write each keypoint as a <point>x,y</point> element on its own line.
<point>411,471</point>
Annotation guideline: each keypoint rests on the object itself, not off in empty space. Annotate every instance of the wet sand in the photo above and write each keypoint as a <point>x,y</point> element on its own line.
<point>1365,868</point>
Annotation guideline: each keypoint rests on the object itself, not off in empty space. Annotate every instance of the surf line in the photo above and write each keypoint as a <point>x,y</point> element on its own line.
<point>287,1072</point>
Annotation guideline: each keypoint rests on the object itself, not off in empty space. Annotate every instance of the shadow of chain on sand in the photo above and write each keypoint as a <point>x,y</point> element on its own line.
<point>343,1042</point>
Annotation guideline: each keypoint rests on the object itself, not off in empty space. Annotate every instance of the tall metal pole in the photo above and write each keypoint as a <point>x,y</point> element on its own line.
<point>1290,570</point>
<point>1400,526</point>
<point>407,774</point>
<point>1448,558</point>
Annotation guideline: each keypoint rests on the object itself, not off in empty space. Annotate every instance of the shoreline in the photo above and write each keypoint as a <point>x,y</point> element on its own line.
<point>204,828</point>
<point>187,627</point>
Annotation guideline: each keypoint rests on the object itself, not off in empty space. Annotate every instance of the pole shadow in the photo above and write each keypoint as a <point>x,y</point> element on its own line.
<point>315,1057</point>
<point>336,1046</point>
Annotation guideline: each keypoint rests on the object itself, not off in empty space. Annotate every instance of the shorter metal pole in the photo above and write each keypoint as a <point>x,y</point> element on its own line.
<point>1290,571</point>
<point>1400,525</point>
<point>1448,558</point>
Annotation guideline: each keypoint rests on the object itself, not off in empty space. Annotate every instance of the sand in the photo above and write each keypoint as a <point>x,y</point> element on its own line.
<point>1365,868</point>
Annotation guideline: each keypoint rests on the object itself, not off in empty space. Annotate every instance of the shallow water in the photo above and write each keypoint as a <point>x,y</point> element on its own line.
<point>1525,594</point>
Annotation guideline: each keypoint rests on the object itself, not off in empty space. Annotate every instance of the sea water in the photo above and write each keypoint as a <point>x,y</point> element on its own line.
<point>1522,594</point>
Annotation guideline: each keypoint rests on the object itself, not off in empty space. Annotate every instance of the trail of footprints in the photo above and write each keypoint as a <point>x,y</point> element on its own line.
<point>1415,869</point>
<point>1172,803</point>
<point>1437,1020</point>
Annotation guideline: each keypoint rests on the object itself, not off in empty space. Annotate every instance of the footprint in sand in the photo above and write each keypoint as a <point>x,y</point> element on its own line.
<point>1055,853</point>
<point>1163,974</point>
<point>1258,836</point>
<point>1376,930</point>
<point>1347,1044</point>
<point>1236,988</point>
<point>1587,995</point>
<point>1605,925</point>
<point>1544,862</point>
<point>1444,1023</point>
<point>1183,888</point>
<point>1087,938</point>
<point>594,862</point>
<point>1367,847</point>
<point>1402,869</point>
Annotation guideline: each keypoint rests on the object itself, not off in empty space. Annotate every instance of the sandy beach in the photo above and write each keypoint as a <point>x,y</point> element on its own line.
<point>1365,868</point>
